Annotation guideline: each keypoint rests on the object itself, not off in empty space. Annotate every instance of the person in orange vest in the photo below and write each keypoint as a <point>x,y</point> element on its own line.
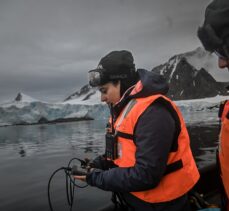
<point>214,35</point>
<point>151,166</point>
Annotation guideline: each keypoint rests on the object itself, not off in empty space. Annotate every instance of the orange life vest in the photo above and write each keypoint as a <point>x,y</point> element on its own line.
<point>173,184</point>
<point>224,148</point>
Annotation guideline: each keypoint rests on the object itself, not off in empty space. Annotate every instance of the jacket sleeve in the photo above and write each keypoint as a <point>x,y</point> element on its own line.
<point>153,138</point>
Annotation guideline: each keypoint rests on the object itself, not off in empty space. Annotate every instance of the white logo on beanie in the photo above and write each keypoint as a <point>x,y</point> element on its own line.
<point>100,67</point>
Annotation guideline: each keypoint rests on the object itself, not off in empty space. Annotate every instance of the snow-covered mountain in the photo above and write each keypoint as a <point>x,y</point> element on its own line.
<point>20,100</point>
<point>189,76</point>
<point>86,95</point>
<point>21,97</point>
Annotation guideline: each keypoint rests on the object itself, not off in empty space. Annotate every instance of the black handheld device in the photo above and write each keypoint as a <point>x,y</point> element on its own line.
<point>75,171</point>
<point>111,146</point>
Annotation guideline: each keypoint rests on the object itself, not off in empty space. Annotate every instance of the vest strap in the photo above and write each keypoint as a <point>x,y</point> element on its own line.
<point>125,135</point>
<point>173,167</point>
<point>174,115</point>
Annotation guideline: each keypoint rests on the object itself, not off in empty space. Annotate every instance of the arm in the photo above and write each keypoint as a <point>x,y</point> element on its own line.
<point>153,138</point>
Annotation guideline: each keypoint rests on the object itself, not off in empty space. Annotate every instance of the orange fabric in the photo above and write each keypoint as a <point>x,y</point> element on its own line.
<point>172,185</point>
<point>224,149</point>
<point>225,110</point>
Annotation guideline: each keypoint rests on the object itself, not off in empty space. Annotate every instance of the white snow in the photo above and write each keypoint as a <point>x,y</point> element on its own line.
<point>196,111</point>
<point>216,99</point>
<point>27,98</point>
<point>93,99</point>
<point>200,58</point>
<point>201,111</point>
<point>24,99</point>
<point>174,64</point>
<point>29,110</point>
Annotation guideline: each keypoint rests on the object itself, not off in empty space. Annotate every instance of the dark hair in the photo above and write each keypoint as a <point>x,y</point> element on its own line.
<point>126,83</point>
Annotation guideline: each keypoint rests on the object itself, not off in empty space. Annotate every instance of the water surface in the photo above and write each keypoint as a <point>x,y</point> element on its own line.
<point>29,155</point>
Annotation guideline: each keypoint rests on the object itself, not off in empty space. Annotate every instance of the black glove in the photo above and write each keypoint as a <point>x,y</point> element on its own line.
<point>101,162</point>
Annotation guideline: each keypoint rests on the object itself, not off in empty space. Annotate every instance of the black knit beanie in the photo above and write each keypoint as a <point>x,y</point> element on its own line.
<point>215,30</point>
<point>217,15</point>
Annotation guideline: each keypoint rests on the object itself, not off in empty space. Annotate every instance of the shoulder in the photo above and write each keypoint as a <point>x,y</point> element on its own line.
<point>158,110</point>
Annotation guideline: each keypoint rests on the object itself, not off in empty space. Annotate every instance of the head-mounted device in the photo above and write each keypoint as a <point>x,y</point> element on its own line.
<point>99,77</point>
<point>95,77</point>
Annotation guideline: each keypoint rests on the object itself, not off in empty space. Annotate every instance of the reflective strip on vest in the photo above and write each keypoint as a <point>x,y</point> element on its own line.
<point>127,109</point>
<point>174,183</point>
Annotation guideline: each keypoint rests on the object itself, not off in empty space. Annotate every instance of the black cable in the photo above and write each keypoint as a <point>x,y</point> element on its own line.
<point>67,187</point>
<point>69,190</point>
<point>72,192</point>
<point>50,179</point>
<point>83,162</point>
<point>70,183</point>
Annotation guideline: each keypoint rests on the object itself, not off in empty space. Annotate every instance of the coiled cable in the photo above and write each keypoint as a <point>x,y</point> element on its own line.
<point>70,182</point>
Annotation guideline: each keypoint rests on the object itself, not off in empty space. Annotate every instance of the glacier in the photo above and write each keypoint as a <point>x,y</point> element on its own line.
<point>31,111</point>
<point>28,110</point>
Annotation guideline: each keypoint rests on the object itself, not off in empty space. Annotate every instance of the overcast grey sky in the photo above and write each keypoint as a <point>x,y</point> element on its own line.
<point>47,46</point>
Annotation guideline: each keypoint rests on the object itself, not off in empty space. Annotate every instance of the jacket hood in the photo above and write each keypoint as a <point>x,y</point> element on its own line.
<point>150,83</point>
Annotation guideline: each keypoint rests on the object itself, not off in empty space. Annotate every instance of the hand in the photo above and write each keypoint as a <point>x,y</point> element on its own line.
<point>82,178</point>
<point>101,162</point>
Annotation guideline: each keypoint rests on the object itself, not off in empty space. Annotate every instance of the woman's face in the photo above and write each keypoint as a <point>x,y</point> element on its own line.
<point>110,92</point>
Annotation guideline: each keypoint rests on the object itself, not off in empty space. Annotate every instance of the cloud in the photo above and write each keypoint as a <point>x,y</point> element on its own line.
<point>49,45</point>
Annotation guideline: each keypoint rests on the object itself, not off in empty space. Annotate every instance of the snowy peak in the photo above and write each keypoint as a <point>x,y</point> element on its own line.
<point>189,78</point>
<point>200,58</point>
<point>84,93</point>
<point>21,97</point>
<point>87,96</point>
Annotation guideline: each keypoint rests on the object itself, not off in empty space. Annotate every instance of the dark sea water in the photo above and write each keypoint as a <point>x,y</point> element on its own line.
<point>30,154</point>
